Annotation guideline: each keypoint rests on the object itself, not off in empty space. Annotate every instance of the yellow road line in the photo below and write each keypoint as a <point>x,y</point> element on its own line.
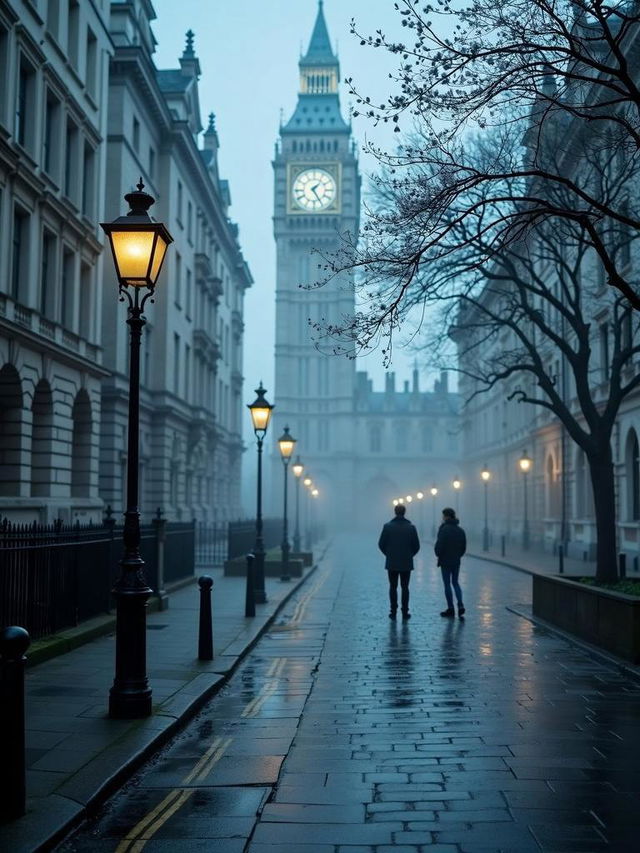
<point>147,827</point>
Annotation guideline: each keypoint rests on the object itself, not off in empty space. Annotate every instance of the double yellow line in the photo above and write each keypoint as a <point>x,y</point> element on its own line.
<point>145,829</point>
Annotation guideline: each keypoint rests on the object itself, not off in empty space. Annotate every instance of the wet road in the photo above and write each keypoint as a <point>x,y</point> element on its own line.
<point>344,732</point>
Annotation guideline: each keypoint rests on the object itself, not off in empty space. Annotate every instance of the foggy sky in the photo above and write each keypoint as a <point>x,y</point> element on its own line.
<point>248,51</point>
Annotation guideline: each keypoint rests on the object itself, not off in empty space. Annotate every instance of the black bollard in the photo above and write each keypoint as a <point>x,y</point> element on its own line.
<point>14,642</point>
<point>502,545</point>
<point>622,564</point>
<point>250,600</point>
<point>205,634</point>
<point>560,559</point>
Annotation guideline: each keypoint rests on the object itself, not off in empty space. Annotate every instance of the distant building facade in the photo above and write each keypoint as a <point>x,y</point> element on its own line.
<point>83,114</point>
<point>54,60</point>
<point>190,433</point>
<point>361,448</point>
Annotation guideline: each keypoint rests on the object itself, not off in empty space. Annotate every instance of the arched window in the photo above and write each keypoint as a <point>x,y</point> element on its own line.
<point>583,489</point>
<point>632,468</point>
<point>81,446</point>
<point>11,431</point>
<point>41,440</point>
<point>552,484</point>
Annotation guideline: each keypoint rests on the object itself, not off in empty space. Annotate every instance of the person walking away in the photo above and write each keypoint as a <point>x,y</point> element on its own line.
<point>450,546</point>
<point>399,543</point>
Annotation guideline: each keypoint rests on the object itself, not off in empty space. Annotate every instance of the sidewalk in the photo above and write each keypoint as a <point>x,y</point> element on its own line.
<point>533,562</point>
<point>76,756</point>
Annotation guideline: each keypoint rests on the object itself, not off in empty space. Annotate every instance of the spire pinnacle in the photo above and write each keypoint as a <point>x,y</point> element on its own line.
<point>188,51</point>
<point>320,51</point>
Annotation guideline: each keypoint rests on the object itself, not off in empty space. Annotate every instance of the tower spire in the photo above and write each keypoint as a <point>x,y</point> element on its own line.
<point>319,51</point>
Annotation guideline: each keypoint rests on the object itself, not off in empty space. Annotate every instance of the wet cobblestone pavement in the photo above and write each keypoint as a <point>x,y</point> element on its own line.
<point>344,732</point>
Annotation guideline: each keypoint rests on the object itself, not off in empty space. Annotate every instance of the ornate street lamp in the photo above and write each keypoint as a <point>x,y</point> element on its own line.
<point>286,443</point>
<point>525,462</point>
<point>457,485</point>
<point>434,492</point>
<point>486,476</point>
<point>139,245</point>
<point>260,411</point>
<point>297,469</point>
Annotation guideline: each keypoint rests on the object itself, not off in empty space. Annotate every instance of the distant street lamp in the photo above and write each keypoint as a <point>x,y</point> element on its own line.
<point>260,416</point>
<point>286,443</point>
<point>408,499</point>
<point>420,496</point>
<point>308,482</point>
<point>395,502</point>
<point>314,495</point>
<point>457,484</point>
<point>525,462</point>
<point>434,492</point>
<point>486,476</point>
<point>139,245</point>
<point>297,469</point>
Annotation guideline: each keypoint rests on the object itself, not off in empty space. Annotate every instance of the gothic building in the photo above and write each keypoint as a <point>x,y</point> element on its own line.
<point>361,448</point>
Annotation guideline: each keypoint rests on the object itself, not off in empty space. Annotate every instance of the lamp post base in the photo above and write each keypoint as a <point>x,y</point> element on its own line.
<point>130,695</point>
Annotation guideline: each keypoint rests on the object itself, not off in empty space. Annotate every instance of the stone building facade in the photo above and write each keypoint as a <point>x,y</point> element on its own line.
<point>362,448</point>
<point>84,113</point>
<point>54,63</point>
<point>191,382</point>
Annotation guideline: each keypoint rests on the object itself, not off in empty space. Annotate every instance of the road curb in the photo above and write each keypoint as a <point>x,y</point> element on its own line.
<point>77,806</point>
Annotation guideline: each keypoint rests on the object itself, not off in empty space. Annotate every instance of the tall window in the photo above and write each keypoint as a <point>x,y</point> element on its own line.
<point>188,296</point>
<point>92,63</point>
<point>88,181</point>
<point>86,302</point>
<point>19,256</point>
<point>633,476</point>
<point>136,134</point>
<point>178,279</point>
<point>152,163</point>
<point>179,205</point>
<point>53,17</point>
<point>47,275</point>
<point>51,145</point>
<point>24,104</point>
<point>176,363</point>
<point>73,32</point>
<point>68,289</point>
<point>187,373</point>
<point>427,439</point>
<point>71,161</point>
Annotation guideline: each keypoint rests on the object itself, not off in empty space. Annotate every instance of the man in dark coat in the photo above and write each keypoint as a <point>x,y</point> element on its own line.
<point>399,543</point>
<point>450,546</point>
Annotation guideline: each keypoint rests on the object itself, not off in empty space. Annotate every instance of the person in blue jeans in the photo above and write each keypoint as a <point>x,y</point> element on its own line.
<point>450,546</point>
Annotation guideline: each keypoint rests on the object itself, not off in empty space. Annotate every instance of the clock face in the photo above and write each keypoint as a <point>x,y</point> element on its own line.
<point>314,189</point>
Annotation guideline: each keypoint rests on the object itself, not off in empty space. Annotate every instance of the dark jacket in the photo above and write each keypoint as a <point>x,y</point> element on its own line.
<point>451,544</point>
<point>399,542</point>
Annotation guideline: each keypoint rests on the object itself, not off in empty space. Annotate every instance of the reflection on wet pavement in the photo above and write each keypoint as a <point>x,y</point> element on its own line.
<point>344,731</point>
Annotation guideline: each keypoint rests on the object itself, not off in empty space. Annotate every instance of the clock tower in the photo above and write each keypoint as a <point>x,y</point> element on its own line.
<point>317,203</point>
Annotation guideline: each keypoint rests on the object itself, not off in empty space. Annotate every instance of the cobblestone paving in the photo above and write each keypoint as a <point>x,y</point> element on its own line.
<point>345,732</point>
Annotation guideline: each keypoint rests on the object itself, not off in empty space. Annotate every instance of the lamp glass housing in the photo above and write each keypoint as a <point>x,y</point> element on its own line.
<point>315,493</point>
<point>308,481</point>
<point>286,443</point>
<point>456,483</point>
<point>408,499</point>
<point>297,468</point>
<point>420,495</point>
<point>260,411</point>
<point>434,491</point>
<point>525,463</point>
<point>485,474</point>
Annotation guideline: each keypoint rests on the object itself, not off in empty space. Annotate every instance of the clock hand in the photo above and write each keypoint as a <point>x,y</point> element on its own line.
<point>313,190</point>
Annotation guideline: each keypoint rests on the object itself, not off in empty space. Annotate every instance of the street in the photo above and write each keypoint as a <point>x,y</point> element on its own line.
<point>345,732</point>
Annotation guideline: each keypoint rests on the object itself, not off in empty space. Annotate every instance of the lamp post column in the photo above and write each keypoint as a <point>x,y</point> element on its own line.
<point>130,695</point>
<point>296,535</point>
<point>485,532</point>
<point>525,525</point>
<point>284,575</point>
<point>260,594</point>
